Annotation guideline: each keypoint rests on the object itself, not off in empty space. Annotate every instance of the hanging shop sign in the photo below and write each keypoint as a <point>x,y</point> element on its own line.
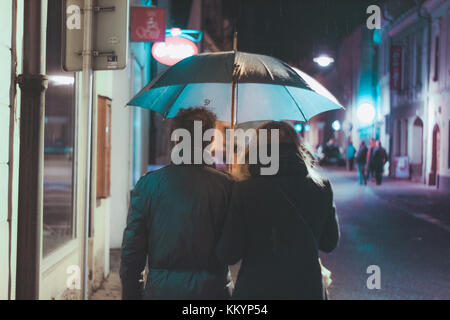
<point>179,44</point>
<point>396,67</point>
<point>148,24</point>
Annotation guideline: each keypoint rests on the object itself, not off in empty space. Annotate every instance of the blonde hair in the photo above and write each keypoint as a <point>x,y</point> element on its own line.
<point>287,135</point>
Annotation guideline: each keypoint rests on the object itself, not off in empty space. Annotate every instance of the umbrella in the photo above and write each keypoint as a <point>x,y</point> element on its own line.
<point>236,86</point>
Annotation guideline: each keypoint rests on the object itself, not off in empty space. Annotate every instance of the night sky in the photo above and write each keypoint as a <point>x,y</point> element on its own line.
<point>295,30</point>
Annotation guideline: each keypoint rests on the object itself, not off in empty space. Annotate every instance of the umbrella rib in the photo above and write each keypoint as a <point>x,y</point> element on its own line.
<point>267,69</point>
<point>175,100</point>
<point>299,109</point>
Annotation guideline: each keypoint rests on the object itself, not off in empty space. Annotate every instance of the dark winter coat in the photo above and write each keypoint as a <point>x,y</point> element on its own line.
<point>280,255</point>
<point>379,158</point>
<point>175,219</point>
<point>361,156</point>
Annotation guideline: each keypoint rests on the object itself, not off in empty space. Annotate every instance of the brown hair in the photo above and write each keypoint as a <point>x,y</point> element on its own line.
<point>288,136</point>
<point>185,120</point>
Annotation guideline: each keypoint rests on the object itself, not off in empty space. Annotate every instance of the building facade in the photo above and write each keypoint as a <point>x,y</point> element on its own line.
<point>414,84</point>
<point>394,84</point>
<point>119,152</point>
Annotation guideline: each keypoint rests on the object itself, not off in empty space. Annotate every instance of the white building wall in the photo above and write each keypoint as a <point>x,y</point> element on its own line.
<point>5,136</point>
<point>9,145</point>
<point>439,112</point>
<point>121,155</point>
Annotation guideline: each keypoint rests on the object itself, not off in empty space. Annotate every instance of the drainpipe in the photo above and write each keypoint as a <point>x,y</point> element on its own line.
<point>33,84</point>
<point>87,109</point>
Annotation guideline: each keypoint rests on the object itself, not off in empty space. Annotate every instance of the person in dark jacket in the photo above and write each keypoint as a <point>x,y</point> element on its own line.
<point>370,172</point>
<point>361,159</point>
<point>379,158</point>
<point>174,222</point>
<point>277,225</point>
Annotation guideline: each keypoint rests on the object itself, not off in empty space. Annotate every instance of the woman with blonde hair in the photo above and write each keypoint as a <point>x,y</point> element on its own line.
<point>277,224</point>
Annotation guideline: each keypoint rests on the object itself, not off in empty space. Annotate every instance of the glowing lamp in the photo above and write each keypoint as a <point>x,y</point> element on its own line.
<point>365,114</point>
<point>307,127</point>
<point>336,125</point>
<point>175,32</point>
<point>298,127</point>
<point>323,61</point>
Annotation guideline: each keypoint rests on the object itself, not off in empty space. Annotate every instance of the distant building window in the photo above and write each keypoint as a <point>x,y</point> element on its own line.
<point>436,58</point>
<point>419,46</point>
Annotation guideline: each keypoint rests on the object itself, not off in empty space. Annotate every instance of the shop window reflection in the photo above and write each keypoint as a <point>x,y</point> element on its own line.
<point>58,220</point>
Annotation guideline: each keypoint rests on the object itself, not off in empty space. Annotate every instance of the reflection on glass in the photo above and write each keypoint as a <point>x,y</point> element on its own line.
<point>58,224</point>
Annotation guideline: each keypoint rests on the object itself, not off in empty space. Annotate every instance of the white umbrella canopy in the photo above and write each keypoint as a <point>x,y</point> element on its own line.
<point>317,86</point>
<point>265,89</point>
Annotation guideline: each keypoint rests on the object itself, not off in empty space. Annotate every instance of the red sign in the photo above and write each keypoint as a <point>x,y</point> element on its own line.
<point>173,50</point>
<point>396,68</point>
<point>148,24</point>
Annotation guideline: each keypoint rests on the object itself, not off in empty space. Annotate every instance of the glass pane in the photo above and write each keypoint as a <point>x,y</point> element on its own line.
<point>58,227</point>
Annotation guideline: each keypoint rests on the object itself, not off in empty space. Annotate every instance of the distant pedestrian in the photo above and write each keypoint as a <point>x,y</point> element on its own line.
<point>379,158</point>
<point>361,159</point>
<point>370,173</point>
<point>351,151</point>
<point>277,225</point>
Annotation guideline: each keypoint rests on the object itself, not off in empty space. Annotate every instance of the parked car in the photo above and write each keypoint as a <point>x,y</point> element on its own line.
<point>330,155</point>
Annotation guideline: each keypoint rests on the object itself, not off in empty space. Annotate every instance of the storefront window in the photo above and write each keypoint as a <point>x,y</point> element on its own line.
<point>58,224</point>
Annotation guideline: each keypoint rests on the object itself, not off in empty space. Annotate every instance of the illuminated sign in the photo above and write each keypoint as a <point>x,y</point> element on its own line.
<point>179,45</point>
<point>396,67</point>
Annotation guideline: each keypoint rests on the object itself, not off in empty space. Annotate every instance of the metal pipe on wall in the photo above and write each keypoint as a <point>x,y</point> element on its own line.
<point>33,84</point>
<point>86,104</point>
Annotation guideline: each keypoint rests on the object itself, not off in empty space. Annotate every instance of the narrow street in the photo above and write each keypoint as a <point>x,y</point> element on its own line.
<point>378,227</point>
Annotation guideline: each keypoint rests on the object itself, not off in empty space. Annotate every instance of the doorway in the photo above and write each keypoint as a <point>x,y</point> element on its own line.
<point>417,150</point>
<point>433,177</point>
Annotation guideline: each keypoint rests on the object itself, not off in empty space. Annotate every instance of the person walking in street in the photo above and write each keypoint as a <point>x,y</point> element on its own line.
<point>175,219</point>
<point>351,151</point>
<point>370,173</point>
<point>278,223</point>
<point>379,158</point>
<point>361,159</point>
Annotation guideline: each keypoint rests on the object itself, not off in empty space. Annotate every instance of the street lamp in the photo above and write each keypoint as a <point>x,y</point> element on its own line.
<point>307,127</point>
<point>298,127</point>
<point>336,125</point>
<point>323,61</point>
<point>365,114</point>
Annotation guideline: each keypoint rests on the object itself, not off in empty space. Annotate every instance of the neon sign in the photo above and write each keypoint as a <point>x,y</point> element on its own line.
<point>179,45</point>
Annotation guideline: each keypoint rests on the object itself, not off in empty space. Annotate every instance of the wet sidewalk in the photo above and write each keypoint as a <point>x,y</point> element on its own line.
<point>422,201</point>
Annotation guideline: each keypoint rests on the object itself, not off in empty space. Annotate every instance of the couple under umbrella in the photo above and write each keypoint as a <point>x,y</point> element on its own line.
<point>189,222</point>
